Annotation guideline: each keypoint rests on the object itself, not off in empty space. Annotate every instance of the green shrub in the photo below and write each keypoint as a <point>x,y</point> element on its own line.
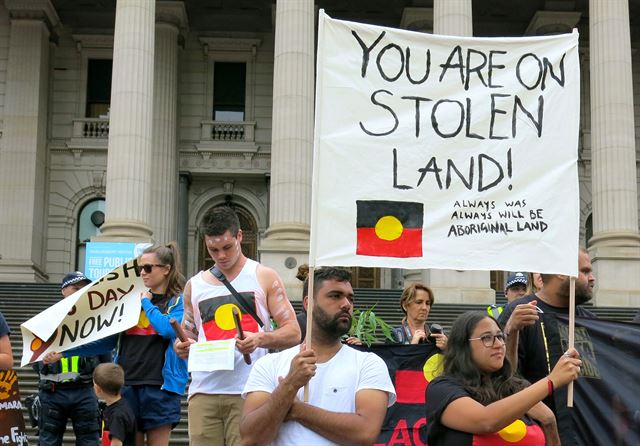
<point>365,326</point>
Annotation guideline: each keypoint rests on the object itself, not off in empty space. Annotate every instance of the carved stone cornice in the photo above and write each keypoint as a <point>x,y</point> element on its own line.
<point>552,22</point>
<point>33,10</point>
<point>213,44</point>
<point>93,41</point>
<point>221,161</point>
<point>173,13</point>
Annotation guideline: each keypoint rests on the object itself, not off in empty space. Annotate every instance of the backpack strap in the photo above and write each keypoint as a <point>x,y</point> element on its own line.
<point>242,301</point>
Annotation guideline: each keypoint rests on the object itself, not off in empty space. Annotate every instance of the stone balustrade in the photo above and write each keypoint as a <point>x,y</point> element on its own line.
<point>243,131</point>
<point>92,128</point>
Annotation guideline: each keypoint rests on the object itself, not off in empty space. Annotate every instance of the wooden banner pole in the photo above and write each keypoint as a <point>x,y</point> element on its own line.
<point>572,324</point>
<point>307,340</point>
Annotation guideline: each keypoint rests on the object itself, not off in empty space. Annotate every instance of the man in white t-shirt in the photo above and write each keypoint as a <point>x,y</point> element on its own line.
<point>349,390</point>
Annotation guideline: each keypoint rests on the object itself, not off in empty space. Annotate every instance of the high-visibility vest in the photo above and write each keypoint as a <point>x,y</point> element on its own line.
<point>69,369</point>
<point>495,310</point>
<point>64,364</point>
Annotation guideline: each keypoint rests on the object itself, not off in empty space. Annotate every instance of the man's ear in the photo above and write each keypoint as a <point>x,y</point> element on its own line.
<point>305,302</point>
<point>239,236</point>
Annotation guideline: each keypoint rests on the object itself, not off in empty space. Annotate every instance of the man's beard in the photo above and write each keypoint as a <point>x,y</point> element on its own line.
<point>583,291</point>
<point>332,327</point>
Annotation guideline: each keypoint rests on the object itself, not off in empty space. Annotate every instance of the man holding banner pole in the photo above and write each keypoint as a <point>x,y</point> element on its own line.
<point>349,390</point>
<point>533,332</point>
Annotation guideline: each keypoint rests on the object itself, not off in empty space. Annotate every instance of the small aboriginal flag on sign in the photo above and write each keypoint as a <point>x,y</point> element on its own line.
<point>389,228</point>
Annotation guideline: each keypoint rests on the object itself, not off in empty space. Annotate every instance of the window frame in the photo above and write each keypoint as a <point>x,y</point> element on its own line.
<point>87,53</point>
<point>85,63</point>
<point>212,96</point>
<point>234,51</point>
<point>78,241</point>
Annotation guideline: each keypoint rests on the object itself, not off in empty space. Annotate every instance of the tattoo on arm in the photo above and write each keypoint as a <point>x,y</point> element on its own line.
<point>188,320</point>
<point>189,324</point>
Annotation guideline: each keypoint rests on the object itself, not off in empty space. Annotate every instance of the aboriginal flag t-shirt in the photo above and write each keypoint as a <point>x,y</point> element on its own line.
<point>142,349</point>
<point>444,390</point>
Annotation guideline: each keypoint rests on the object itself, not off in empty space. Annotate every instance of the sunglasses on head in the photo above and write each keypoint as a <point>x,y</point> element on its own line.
<point>148,267</point>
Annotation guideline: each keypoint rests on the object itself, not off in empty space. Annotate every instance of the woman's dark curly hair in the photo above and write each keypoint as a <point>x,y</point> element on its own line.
<point>458,363</point>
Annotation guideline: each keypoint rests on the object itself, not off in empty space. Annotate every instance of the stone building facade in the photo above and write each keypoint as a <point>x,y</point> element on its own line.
<point>128,120</point>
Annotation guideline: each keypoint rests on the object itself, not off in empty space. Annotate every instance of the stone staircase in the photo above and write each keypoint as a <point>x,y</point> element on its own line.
<point>21,301</point>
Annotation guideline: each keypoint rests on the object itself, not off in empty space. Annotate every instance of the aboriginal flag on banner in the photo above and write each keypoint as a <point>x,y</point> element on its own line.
<point>389,228</point>
<point>411,367</point>
<point>606,407</point>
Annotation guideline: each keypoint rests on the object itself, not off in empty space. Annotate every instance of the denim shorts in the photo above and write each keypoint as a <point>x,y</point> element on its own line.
<point>152,406</point>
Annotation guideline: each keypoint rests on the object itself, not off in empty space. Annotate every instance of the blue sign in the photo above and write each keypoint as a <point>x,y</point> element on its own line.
<point>103,257</point>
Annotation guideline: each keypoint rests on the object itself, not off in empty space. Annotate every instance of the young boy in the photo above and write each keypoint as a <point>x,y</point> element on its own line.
<point>119,420</point>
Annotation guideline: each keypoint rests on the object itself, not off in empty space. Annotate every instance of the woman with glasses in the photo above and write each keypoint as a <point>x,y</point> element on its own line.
<point>155,377</point>
<point>478,400</point>
<point>416,302</point>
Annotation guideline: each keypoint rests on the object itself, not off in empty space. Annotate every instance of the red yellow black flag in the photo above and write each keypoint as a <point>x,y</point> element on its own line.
<point>389,228</point>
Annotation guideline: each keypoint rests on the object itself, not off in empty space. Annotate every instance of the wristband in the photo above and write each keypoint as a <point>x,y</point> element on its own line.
<point>550,386</point>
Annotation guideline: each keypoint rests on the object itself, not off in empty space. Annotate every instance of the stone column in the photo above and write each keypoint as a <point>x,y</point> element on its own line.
<point>23,155</point>
<point>454,18</point>
<point>183,217</point>
<point>417,19</point>
<point>292,139</point>
<point>615,245</point>
<point>129,158</point>
<point>170,18</point>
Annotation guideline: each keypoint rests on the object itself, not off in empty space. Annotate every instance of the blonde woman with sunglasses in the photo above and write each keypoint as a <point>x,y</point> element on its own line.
<point>155,377</point>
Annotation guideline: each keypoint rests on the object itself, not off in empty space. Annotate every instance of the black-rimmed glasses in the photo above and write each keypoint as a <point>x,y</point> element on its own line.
<point>489,340</point>
<point>148,267</point>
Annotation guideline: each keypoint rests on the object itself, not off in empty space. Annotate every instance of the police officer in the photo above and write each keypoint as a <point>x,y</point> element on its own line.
<point>515,288</point>
<point>66,389</point>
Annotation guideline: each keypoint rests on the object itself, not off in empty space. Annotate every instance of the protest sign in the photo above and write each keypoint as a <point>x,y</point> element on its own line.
<point>105,307</point>
<point>12,430</point>
<point>445,152</point>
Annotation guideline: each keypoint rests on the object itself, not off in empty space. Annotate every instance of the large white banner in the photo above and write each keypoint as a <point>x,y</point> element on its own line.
<point>105,307</point>
<point>445,152</point>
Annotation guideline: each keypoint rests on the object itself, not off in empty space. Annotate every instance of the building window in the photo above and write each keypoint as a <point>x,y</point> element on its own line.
<point>229,91</point>
<point>98,87</point>
<point>90,220</point>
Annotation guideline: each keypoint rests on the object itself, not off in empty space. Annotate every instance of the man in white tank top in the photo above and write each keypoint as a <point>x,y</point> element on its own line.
<point>349,390</point>
<point>215,403</point>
